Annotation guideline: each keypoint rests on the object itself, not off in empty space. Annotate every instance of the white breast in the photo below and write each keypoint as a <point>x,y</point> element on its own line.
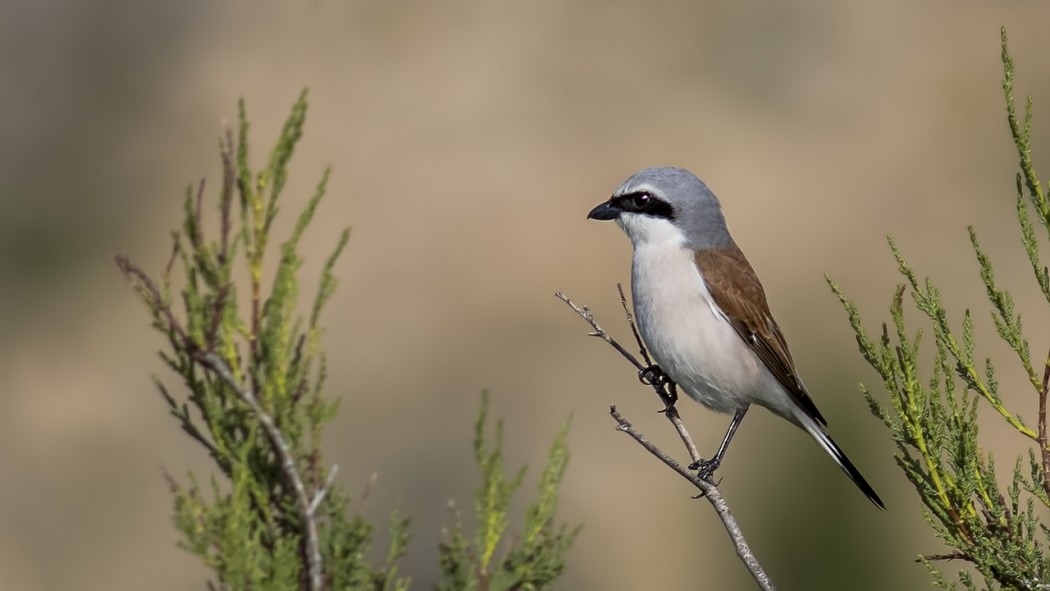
<point>687,334</point>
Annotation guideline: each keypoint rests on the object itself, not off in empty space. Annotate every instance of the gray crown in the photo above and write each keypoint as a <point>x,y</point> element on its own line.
<point>697,211</point>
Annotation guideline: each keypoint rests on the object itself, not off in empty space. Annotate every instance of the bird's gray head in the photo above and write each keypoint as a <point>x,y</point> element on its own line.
<point>666,204</point>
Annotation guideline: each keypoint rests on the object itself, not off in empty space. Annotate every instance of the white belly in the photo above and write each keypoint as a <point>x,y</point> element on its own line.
<point>689,337</point>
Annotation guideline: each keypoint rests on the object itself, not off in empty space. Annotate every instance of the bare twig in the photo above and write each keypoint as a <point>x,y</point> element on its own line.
<point>665,389</point>
<point>653,376</point>
<point>672,415</point>
<point>710,492</point>
<point>951,556</point>
<point>145,286</point>
<point>174,256</point>
<point>599,331</point>
<point>634,328</point>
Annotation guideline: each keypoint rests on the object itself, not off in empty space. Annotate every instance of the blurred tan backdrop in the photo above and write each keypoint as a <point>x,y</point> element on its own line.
<point>468,140</point>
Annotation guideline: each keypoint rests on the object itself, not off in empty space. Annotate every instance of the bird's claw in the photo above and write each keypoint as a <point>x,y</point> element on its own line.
<point>653,376</point>
<point>662,383</point>
<point>705,469</point>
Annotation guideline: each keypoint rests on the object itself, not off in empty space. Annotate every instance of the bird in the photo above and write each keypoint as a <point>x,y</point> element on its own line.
<point>702,311</point>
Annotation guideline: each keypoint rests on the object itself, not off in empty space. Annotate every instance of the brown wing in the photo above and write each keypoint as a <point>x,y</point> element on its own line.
<point>739,294</point>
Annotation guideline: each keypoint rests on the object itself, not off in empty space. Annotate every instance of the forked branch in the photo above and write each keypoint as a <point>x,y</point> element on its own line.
<point>665,389</point>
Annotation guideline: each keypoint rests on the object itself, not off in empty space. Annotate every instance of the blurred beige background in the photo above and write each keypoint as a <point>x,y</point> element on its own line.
<point>468,140</point>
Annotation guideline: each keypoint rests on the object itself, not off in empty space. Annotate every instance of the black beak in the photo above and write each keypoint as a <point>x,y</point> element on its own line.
<point>604,211</point>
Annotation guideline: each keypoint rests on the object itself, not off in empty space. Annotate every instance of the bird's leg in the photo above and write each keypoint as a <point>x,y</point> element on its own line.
<point>655,377</point>
<point>672,395</point>
<point>707,467</point>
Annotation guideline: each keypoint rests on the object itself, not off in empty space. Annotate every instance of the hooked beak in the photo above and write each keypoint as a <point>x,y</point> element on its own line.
<point>604,212</point>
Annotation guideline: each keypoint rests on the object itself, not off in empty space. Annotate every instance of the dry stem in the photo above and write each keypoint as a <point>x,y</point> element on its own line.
<point>665,389</point>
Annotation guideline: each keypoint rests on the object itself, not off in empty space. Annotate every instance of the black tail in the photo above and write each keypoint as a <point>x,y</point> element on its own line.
<point>840,458</point>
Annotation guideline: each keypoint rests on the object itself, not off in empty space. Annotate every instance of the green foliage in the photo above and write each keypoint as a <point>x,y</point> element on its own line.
<point>254,372</point>
<point>530,561</point>
<point>932,417</point>
<point>273,517</point>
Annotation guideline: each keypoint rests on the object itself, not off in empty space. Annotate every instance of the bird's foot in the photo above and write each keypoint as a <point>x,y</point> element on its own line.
<point>653,376</point>
<point>705,469</point>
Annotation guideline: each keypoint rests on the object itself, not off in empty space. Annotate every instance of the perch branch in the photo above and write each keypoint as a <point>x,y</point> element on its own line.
<point>669,395</point>
<point>710,492</point>
<point>599,332</point>
<point>650,375</point>
<point>634,328</point>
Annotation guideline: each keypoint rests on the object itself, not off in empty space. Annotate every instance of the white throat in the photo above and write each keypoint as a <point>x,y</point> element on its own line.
<point>646,230</point>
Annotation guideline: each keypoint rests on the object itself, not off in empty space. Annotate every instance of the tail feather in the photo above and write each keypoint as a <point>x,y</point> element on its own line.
<point>836,453</point>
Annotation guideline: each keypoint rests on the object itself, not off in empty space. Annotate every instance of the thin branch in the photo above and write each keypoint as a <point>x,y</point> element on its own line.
<point>319,497</point>
<point>710,492</point>
<point>655,377</point>
<point>946,557</point>
<point>229,182</point>
<point>661,384</point>
<point>634,328</point>
<point>650,375</point>
<point>599,331</point>
<point>1042,439</point>
<point>672,415</point>
<point>171,258</point>
<point>303,503</point>
<point>145,286</point>
<point>198,205</point>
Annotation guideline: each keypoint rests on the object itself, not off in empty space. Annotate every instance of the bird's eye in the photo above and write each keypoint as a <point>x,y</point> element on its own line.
<point>641,200</point>
<point>644,203</point>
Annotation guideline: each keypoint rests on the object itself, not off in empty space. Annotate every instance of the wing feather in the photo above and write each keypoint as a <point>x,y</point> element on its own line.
<point>737,291</point>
